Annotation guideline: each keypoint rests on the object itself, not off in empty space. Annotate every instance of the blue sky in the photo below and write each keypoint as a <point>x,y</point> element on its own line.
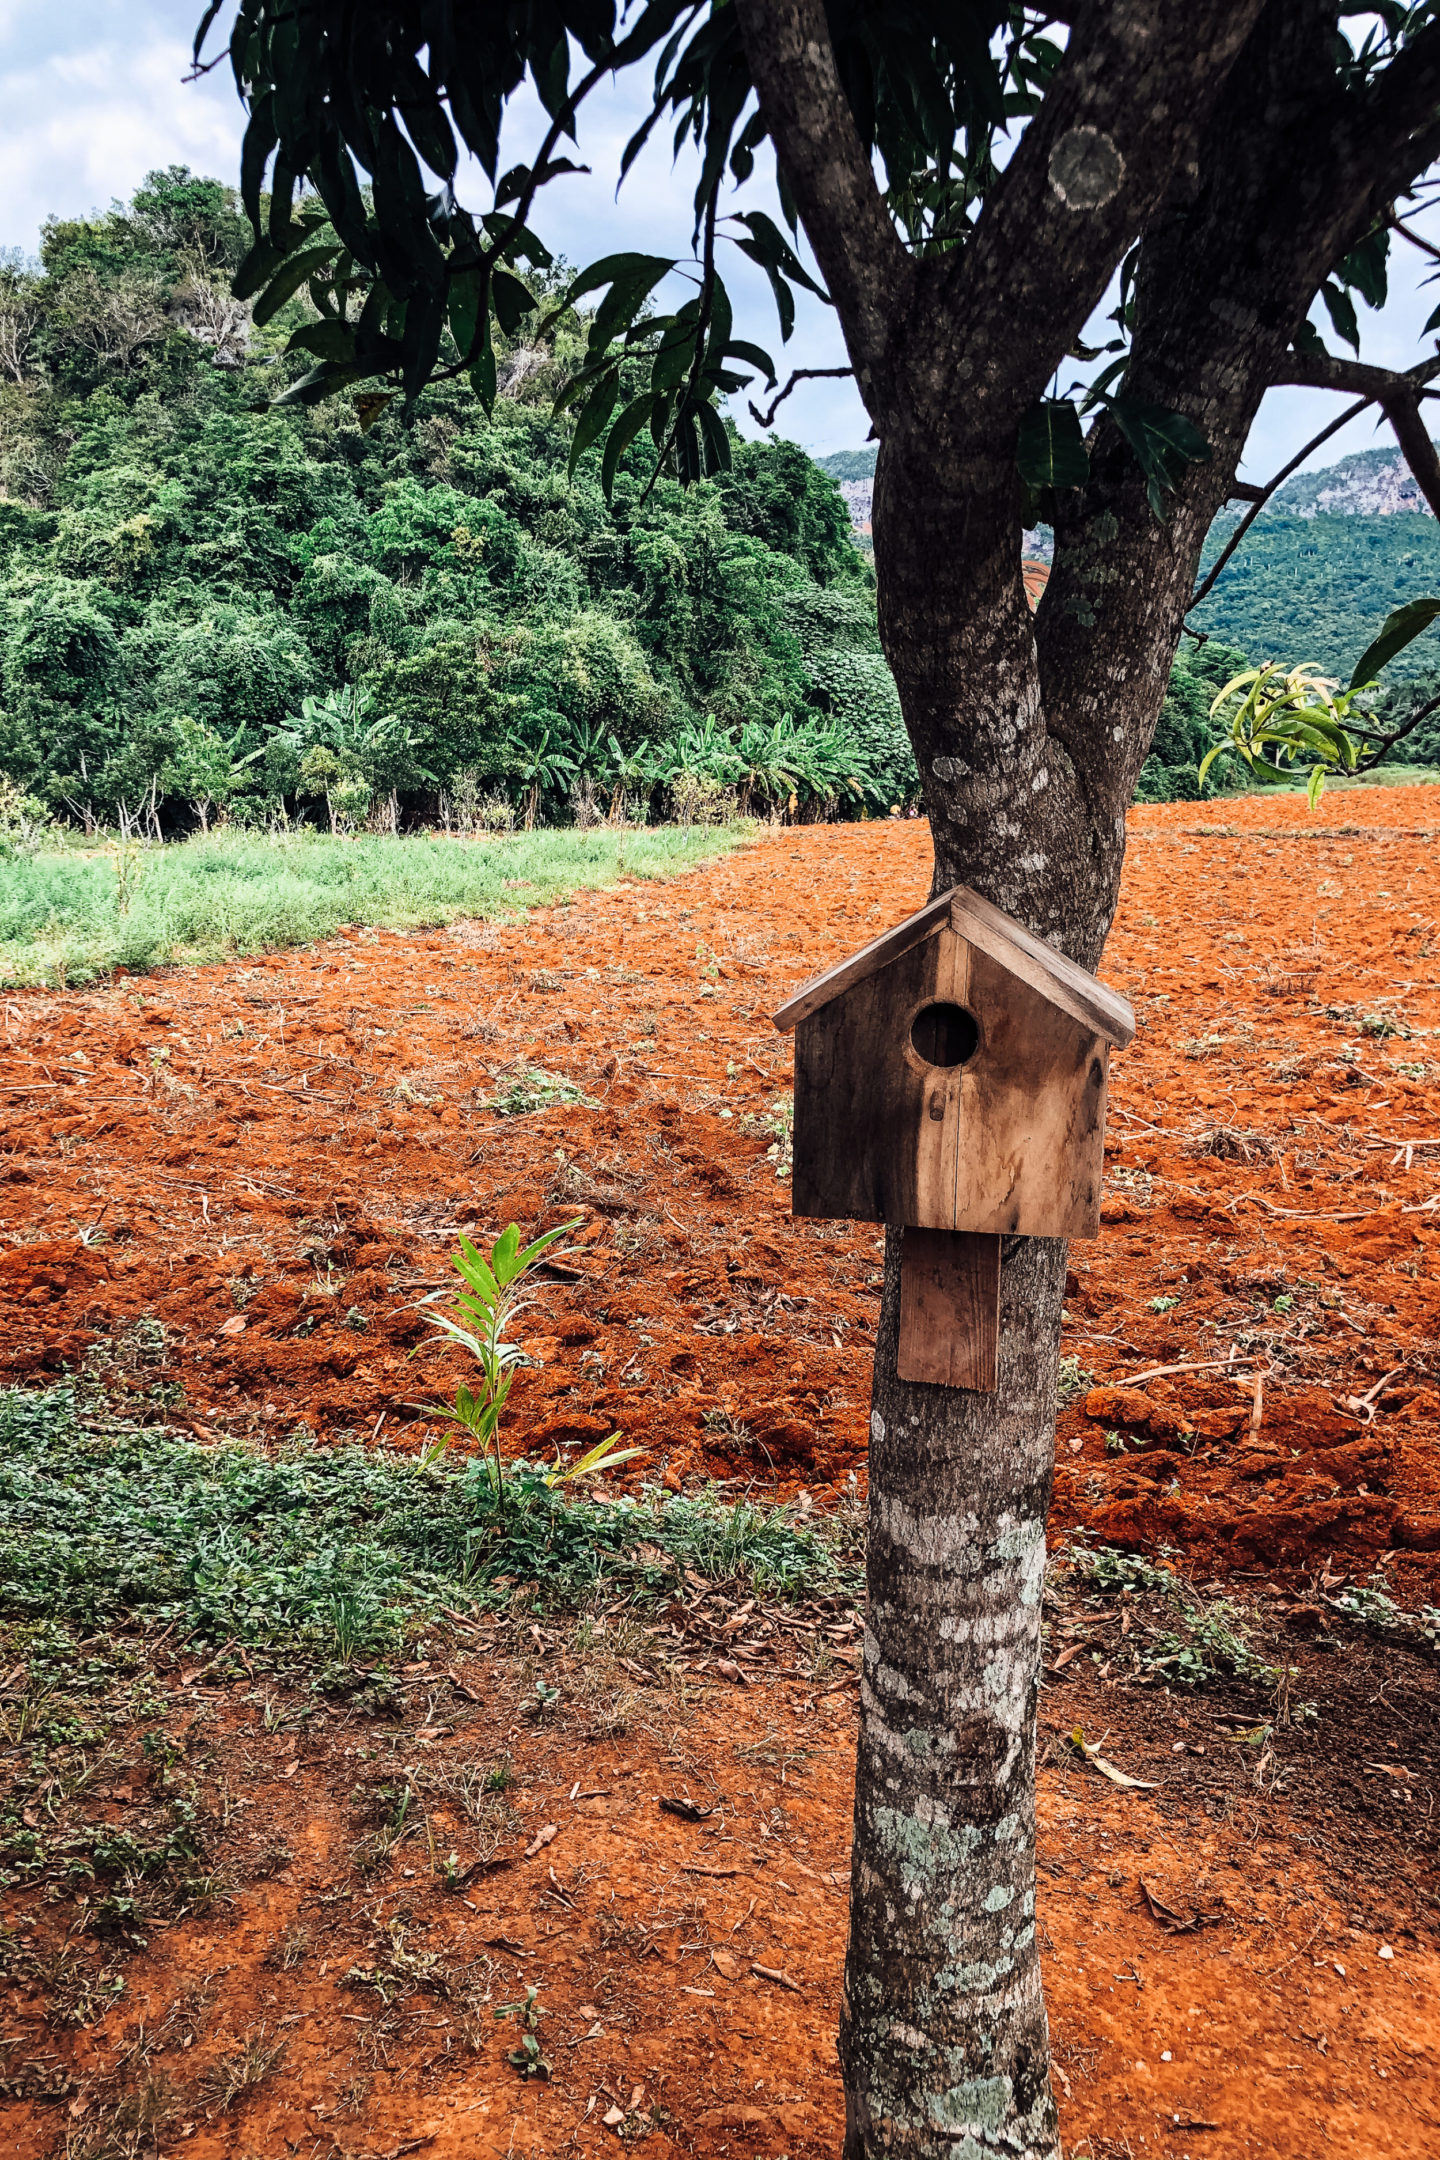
<point>92,97</point>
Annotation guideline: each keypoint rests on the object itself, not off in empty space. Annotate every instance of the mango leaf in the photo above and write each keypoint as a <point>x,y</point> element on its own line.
<point>1341,310</point>
<point>1401,627</point>
<point>467,292</point>
<point>597,410</point>
<point>513,302</point>
<point>1163,442</point>
<point>326,340</point>
<point>716,441</point>
<point>297,268</point>
<point>1050,448</point>
<point>514,183</point>
<point>784,298</point>
<point>772,246</point>
<point>626,428</point>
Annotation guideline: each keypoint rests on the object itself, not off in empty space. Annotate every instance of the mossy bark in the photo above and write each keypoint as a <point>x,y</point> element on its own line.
<point>943,2037</point>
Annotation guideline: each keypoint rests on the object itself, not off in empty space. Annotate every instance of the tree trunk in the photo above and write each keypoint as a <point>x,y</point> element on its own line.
<point>943,2036</point>
<point>944,2040</point>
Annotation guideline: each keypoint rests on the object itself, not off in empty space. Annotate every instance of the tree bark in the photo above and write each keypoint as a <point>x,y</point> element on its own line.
<point>1246,174</point>
<point>943,2035</point>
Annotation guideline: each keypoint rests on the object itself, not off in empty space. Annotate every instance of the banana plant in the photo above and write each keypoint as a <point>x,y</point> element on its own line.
<point>481,1320</point>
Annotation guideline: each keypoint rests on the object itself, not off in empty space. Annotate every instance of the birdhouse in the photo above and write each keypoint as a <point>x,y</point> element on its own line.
<point>951,1078</point>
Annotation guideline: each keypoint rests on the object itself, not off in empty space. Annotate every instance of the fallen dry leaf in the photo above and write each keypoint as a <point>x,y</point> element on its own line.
<point>1175,1923</point>
<point>1108,1770</point>
<point>685,1809</point>
<point>726,1964</point>
<point>232,1327</point>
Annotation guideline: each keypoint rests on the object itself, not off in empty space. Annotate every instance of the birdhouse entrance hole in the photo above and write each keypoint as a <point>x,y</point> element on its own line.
<point>945,1035</point>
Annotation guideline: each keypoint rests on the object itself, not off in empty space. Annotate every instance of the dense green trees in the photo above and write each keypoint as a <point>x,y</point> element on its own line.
<point>191,581</point>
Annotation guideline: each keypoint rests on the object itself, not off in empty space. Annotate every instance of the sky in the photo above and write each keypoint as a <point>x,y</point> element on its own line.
<point>93,96</point>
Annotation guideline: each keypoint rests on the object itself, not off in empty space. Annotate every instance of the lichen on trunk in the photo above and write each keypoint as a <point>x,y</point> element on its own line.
<point>943,2035</point>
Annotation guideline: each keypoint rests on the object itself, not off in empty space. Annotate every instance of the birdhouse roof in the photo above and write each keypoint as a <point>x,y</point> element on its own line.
<point>1073,989</point>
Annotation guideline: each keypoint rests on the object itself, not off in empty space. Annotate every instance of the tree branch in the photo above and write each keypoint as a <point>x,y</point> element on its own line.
<point>1332,371</point>
<point>1403,414</point>
<point>1392,134</point>
<point>1123,113</point>
<point>801,374</point>
<point>1398,397</point>
<point>1386,743</point>
<point>1262,495</point>
<point>866,269</point>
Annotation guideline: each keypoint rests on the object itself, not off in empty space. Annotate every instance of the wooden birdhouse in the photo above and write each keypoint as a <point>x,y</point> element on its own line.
<point>951,1078</point>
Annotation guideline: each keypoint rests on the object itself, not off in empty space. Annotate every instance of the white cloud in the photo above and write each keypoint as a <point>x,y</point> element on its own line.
<point>93,98</point>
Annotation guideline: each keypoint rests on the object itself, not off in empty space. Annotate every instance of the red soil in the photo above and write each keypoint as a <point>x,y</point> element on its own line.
<point>279,1156</point>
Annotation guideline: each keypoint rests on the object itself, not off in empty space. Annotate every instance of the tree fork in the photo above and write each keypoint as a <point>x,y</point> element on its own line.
<point>944,2040</point>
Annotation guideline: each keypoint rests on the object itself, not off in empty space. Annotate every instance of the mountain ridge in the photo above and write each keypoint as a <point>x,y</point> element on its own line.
<point>1368,483</point>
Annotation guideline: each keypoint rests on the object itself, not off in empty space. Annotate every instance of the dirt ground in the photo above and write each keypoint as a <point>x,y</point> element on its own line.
<point>223,1191</point>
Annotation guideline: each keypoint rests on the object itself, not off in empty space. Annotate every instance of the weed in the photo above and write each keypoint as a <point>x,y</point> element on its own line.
<point>1162,1304</point>
<point>1072,1379</point>
<point>230,893</point>
<point>134,2126</point>
<point>230,2077</point>
<point>526,2056</point>
<point>291,1950</point>
<point>1369,1605</point>
<point>535,1089</point>
<point>779,1122</point>
<point>227,1544</point>
<point>1382,1025</point>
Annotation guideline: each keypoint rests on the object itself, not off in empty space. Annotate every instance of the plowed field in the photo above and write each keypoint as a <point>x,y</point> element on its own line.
<point>224,1190</point>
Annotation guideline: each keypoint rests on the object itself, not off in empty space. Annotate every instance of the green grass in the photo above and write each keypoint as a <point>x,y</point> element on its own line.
<point>339,1551</point>
<point>64,918</point>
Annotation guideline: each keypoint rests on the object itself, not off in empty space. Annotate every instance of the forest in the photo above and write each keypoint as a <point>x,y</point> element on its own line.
<point>218,607</point>
<point>215,605</point>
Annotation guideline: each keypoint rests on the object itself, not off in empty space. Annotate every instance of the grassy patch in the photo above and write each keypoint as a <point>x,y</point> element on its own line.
<point>339,1551</point>
<point>68,916</point>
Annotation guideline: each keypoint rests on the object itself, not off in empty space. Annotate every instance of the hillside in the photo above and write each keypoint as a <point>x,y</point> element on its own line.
<point>1317,586</point>
<point>211,603</point>
<point>1320,569</point>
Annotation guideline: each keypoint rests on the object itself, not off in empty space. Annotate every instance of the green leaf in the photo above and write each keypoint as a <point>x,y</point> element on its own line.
<point>596,411</point>
<point>676,355</point>
<point>1341,310</point>
<point>1163,442</point>
<point>621,435</point>
<point>1050,448</point>
<point>716,441</point>
<point>769,246</point>
<point>326,340</point>
<point>467,292</point>
<point>297,269</point>
<point>543,1243</point>
<point>512,301</point>
<point>754,356</point>
<point>258,267</point>
<point>784,298</point>
<point>1402,626</point>
<point>505,1255</point>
